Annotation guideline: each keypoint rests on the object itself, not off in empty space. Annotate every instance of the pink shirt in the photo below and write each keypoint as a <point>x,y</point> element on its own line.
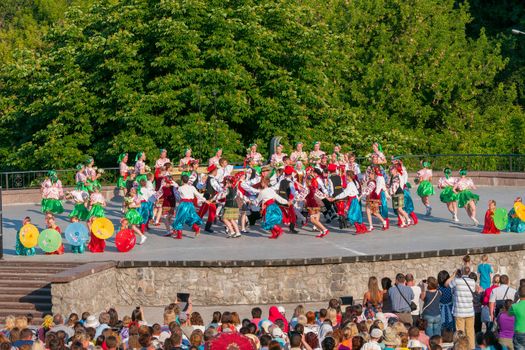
<point>465,183</point>
<point>424,174</point>
<point>52,190</point>
<point>444,182</point>
<point>97,198</point>
<point>160,162</point>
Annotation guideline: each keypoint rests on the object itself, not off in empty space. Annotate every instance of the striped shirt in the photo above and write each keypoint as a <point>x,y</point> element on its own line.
<point>463,300</point>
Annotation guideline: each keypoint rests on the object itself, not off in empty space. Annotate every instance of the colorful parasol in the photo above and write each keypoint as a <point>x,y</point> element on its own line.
<point>501,218</point>
<point>102,228</point>
<point>49,240</point>
<point>125,240</point>
<point>77,234</point>
<point>29,235</point>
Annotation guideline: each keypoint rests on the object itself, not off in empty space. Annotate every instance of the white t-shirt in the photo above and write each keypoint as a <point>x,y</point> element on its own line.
<point>498,293</point>
<point>417,294</point>
<point>463,300</point>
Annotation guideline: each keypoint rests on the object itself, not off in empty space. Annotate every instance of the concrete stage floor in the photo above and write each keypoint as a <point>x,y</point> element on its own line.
<point>432,233</point>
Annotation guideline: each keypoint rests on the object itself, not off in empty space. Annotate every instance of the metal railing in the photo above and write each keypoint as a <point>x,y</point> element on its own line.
<point>476,162</point>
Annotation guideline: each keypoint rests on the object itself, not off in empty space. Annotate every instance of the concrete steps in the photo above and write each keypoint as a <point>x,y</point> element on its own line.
<point>25,288</point>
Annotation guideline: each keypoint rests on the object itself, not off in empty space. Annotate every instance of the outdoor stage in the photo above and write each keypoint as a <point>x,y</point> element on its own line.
<point>437,232</point>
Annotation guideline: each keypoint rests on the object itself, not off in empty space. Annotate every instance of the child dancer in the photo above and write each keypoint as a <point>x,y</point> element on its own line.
<point>52,191</point>
<point>425,188</point>
<point>351,193</point>
<point>489,226</point>
<point>373,200</point>
<point>95,245</point>
<point>79,196</point>
<point>91,175</point>
<point>186,213</point>
<point>51,224</point>
<point>133,216</point>
<point>20,249</point>
<point>467,199</point>
<point>98,202</point>
<point>515,223</point>
<point>146,203</point>
<point>447,195</point>
<point>124,173</point>
<point>398,196</point>
<point>231,208</point>
<point>313,207</point>
<point>271,213</point>
<point>168,189</point>
<point>140,167</point>
<point>77,249</point>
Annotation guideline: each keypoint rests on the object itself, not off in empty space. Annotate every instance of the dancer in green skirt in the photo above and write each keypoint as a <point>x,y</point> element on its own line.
<point>52,192</point>
<point>447,195</point>
<point>467,199</point>
<point>425,188</point>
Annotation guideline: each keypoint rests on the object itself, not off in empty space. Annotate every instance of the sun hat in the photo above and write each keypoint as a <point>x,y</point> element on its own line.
<point>376,333</point>
<point>91,321</point>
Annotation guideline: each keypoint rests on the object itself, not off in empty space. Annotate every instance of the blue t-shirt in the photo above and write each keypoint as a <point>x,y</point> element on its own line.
<point>484,271</point>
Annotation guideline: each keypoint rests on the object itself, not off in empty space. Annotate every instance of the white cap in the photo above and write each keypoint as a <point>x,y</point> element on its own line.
<point>281,309</point>
<point>277,332</point>
<point>376,333</point>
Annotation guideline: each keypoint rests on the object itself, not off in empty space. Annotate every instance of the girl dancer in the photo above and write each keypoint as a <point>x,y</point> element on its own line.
<point>271,213</point>
<point>467,199</point>
<point>95,245</point>
<point>378,151</point>
<point>515,223</point>
<point>215,159</point>
<point>425,188</point>
<point>79,196</point>
<point>20,249</point>
<point>447,195</point>
<point>132,215</point>
<point>185,161</point>
<point>186,213</point>
<point>231,208</point>
<point>277,157</point>
<point>81,177</point>
<point>168,189</point>
<point>372,192</point>
<point>489,226</point>
<point>52,191</point>
<point>313,207</point>
<point>299,155</point>
<point>351,193</point>
<point>408,207</point>
<point>98,202</point>
<point>51,224</point>
<point>315,156</point>
<point>253,157</point>
<point>398,196</point>
<point>140,167</point>
<point>123,170</point>
<point>91,174</point>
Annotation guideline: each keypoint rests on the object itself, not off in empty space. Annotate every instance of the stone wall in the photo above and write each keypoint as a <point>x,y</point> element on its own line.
<point>94,293</point>
<point>158,286</point>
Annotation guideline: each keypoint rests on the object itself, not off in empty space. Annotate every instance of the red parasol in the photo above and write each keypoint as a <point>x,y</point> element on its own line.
<point>230,341</point>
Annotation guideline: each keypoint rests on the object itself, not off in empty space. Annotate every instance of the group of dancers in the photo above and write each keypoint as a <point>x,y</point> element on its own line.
<point>292,190</point>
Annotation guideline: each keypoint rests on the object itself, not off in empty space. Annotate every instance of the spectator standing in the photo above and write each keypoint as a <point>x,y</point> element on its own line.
<point>430,311</point>
<point>506,325</point>
<point>386,284</point>
<point>463,293</point>
<point>417,293</point>
<point>518,311</point>
<point>373,298</point>
<point>477,296</point>
<point>498,296</point>
<point>485,271</point>
<point>445,301</point>
<point>58,321</point>
<point>401,295</point>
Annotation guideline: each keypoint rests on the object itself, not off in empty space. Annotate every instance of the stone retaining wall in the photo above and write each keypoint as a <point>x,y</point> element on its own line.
<point>158,284</point>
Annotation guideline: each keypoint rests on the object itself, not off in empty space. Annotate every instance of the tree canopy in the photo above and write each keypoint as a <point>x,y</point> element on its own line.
<point>420,76</point>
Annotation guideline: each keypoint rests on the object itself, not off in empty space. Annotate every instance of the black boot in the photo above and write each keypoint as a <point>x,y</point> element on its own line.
<point>341,223</point>
<point>207,228</point>
<point>292,228</point>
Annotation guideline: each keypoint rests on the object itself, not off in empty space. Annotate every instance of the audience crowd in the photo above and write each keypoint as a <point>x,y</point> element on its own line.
<point>462,310</point>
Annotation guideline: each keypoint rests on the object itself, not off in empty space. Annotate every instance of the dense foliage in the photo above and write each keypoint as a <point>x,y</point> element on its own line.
<point>420,76</point>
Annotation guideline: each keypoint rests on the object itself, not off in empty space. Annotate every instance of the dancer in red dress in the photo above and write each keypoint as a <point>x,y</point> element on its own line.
<point>489,226</point>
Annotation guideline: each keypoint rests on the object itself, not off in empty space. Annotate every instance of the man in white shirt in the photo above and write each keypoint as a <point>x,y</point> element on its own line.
<point>499,295</point>
<point>463,289</point>
<point>417,293</point>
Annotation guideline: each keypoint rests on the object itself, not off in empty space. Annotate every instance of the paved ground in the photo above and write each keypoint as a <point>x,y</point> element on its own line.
<point>435,232</point>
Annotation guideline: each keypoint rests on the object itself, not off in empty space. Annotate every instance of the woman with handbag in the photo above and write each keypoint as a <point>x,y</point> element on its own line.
<point>430,295</point>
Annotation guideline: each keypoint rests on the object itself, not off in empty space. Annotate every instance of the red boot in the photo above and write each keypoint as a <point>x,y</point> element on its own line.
<point>413,216</point>
<point>142,228</point>
<point>279,231</point>
<point>399,222</point>
<point>274,233</point>
<point>196,228</point>
<point>387,224</point>
<point>359,228</point>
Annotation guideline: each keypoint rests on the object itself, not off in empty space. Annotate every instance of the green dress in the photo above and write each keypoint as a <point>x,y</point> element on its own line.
<point>448,195</point>
<point>133,217</point>
<point>52,205</point>
<point>80,211</point>
<point>97,210</point>
<point>425,189</point>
